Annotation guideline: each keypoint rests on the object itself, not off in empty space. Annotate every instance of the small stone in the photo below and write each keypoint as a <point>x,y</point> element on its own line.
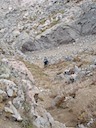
<point>58,100</point>
<point>68,58</point>
<point>92,67</point>
<point>16,33</point>
<point>10,92</point>
<point>67,72</point>
<point>76,69</point>
<point>81,126</point>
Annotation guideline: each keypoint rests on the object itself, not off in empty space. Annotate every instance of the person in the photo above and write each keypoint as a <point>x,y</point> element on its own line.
<point>45,62</point>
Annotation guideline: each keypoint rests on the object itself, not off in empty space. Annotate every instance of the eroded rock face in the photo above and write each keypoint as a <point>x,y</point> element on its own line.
<point>87,22</point>
<point>57,37</point>
<point>20,23</point>
<point>21,93</point>
<point>83,23</point>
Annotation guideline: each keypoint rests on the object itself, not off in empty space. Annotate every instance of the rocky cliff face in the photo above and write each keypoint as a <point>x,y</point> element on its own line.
<point>65,32</point>
<point>46,24</point>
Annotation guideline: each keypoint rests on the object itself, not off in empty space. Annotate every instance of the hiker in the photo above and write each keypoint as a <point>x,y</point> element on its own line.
<point>45,62</point>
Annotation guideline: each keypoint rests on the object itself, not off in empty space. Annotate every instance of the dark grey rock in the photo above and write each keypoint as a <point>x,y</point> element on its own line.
<point>57,37</point>
<point>28,46</point>
<point>87,22</point>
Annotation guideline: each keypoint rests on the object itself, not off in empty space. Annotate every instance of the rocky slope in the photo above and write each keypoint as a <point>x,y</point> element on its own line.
<point>62,95</point>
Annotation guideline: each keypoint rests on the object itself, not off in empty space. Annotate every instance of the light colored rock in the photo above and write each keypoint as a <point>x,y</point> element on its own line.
<point>16,33</point>
<point>1,92</point>
<point>21,69</point>
<point>2,30</point>
<point>16,114</point>
<point>25,15</point>
<point>76,69</point>
<point>90,122</point>
<point>10,87</point>
<point>58,16</point>
<point>10,92</point>
<point>20,99</point>
<point>3,96</point>
<point>20,26</point>
<point>47,22</point>
<point>17,102</point>
<point>81,126</point>
<point>92,67</point>
<point>8,84</point>
<point>71,78</point>
<point>58,100</point>
<point>8,110</point>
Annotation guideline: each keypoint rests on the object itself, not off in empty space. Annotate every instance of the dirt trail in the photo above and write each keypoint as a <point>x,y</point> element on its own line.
<point>51,85</point>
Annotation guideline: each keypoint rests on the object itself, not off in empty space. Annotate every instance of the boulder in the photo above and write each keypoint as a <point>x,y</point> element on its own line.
<point>13,111</point>
<point>28,46</point>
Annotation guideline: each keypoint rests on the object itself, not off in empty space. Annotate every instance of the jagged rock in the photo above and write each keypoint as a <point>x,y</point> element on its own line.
<point>73,78</point>
<point>17,102</point>
<point>21,70</point>
<point>10,86</point>
<point>8,110</point>
<point>72,75</point>
<point>87,21</point>
<point>20,99</point>
<point>90,122</point>
<point>55,38</point>
<point>3,96</point>
<point>41,118</point>
<point>13,111</point>
<point>16,33</point>
<point>59,16</point>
